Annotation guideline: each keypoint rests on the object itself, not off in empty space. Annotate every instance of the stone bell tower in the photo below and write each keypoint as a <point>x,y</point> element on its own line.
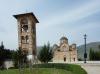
<point>27,32</point>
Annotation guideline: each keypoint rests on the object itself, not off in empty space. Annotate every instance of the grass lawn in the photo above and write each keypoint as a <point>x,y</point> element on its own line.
<point>48,69</point>
<point>37,71</point>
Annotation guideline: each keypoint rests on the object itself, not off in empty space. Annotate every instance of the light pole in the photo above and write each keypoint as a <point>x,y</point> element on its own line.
<point>85,54</point>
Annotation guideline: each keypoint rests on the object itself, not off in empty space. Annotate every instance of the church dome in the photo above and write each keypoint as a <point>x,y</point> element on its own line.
<point>63,38</point>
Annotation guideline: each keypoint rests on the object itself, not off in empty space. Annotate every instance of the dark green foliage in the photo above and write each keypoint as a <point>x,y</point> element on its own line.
<point>94,55</point>
<point>5,54</point>
<point>93,45</point>
<point>19,57</point>
<point>99,47</point>
<point>91,54</point>
<point>1,56</point>
<point>45,54</point>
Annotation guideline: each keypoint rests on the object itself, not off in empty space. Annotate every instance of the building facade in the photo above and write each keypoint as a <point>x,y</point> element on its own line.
<point>64,52</point>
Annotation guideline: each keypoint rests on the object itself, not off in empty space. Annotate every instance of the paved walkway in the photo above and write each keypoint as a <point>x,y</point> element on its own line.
<point>91,68</point>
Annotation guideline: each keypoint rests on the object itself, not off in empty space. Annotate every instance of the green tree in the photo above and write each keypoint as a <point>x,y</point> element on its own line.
<point>91,54</point>
<point>94,55</point>
<point>45,54</point>
<point>99,47</point>
<point>97,55</point>
<point>5,54</point>
<point>19,57</point>
<point>1,56</point>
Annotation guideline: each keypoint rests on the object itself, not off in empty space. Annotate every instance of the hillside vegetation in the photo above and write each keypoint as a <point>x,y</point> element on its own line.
<point>93,45</point>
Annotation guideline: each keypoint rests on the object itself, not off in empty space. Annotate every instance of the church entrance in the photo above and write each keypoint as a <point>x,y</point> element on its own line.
<point>64,59</point>
<point>74,59</point>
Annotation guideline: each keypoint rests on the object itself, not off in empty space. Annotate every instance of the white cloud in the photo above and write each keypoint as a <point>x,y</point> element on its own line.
<point>46,26</point>
<point>71,16</point>
<point>89,28</point>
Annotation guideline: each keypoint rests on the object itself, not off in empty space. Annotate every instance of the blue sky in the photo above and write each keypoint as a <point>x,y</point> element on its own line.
<point>70,18</point>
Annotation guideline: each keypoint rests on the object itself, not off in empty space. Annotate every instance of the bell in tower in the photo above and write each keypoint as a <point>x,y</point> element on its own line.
<point>27,32</point>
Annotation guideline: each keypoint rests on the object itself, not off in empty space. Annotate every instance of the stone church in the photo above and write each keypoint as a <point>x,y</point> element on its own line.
<point>64,52</point>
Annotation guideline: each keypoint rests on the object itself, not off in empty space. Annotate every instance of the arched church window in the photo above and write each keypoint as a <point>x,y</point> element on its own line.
<point>25,27</point>
<point>27,39</point>
<point>24,24</point>
<point>64,48</point>
<point>22,37</point>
